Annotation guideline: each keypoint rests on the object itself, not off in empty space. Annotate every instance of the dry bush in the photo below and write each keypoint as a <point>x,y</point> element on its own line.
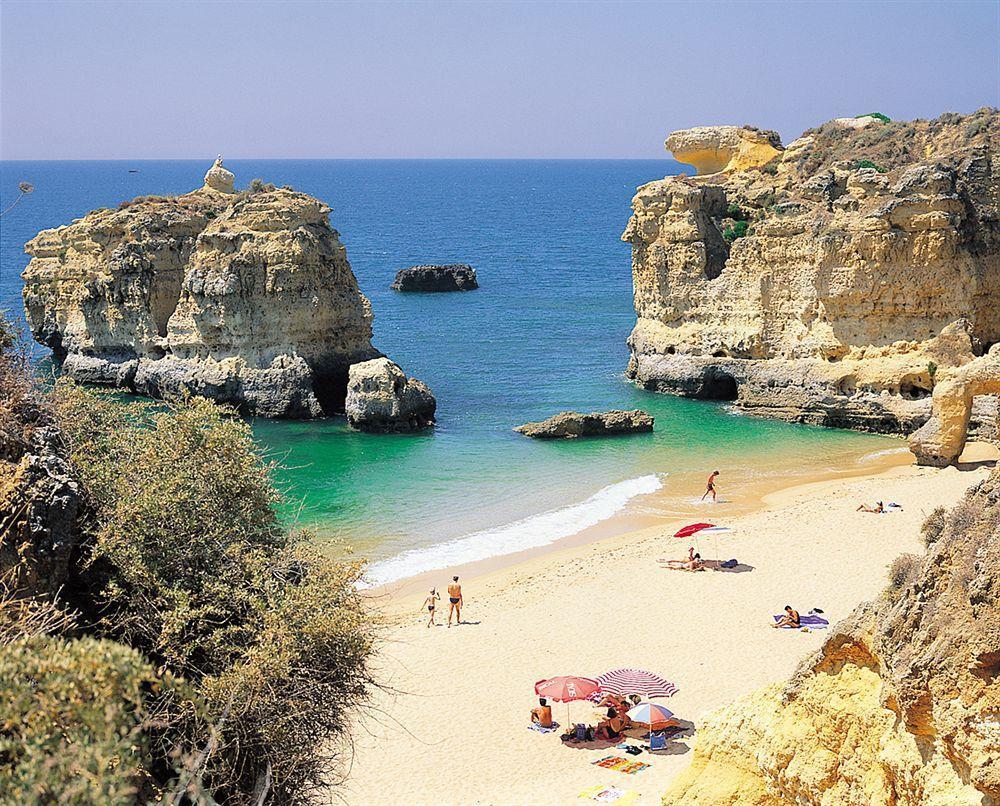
<point>933,526</point>
<point>902,573</point>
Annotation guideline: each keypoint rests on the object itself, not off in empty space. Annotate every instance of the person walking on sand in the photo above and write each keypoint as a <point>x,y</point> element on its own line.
<point>710,487</point>
<point>455,598</point>
<point>431,604</point>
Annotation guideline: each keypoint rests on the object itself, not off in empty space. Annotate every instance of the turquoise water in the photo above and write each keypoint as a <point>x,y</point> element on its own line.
<point>545,332</point>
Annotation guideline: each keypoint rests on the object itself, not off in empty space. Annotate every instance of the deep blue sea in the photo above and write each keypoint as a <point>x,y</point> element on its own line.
<point>545,332</point>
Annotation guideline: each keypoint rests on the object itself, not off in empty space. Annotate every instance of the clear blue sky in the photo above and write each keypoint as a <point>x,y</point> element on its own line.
<point>88,80</point>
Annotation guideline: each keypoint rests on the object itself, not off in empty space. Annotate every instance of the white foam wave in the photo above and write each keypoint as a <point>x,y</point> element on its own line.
<point>531,532</point>
<point>870,457</point>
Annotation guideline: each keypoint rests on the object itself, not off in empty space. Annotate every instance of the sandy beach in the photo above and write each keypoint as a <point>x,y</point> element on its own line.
<point>450,726</point>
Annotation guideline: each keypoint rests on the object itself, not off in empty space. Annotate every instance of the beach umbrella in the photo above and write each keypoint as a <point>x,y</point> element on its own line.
<point>651,714</point>
<point>695,530</point>
<point>566,689</point>
<point>624,682</point>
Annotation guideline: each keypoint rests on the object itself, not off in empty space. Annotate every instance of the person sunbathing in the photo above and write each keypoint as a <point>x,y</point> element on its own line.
<point>610,728</point>
<point>878,508</point>
<point>542,715</point>
<point>692,563</point>
<point>790,619</point>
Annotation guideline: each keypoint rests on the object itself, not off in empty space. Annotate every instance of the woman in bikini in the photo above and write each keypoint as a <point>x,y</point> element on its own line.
<point>430,603</point>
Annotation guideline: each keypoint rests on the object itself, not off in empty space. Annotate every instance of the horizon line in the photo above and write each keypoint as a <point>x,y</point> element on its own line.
<point>340,159</point>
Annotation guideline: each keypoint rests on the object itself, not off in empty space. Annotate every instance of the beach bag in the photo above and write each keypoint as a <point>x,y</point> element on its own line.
<point>729,564</point>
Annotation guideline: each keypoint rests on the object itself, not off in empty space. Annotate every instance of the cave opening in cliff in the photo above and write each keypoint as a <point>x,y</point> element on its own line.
<point>718,385</point>
<point>164,294</point>
<point>330,389</point>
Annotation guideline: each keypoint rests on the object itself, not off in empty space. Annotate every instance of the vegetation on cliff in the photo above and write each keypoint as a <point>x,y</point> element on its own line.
<point>208,650</point>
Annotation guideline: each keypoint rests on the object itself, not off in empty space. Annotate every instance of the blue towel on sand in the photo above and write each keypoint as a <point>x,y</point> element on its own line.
<point>540,729</point>
<point>813,622</point>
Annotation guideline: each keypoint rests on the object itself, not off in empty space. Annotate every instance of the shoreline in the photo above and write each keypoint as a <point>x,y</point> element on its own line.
<point>657,509</point>
<point>449,726</point>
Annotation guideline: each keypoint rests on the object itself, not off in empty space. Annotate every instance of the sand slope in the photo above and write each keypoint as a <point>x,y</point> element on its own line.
<point>453,731</point>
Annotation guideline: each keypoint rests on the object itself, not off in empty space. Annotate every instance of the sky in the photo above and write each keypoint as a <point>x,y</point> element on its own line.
<point>159,80</point>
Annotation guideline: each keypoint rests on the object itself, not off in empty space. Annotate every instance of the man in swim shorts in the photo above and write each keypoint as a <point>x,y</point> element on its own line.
<point>710,487</point>
<point>790,619</point>
<point>455,598</point>
<point>542,715</point>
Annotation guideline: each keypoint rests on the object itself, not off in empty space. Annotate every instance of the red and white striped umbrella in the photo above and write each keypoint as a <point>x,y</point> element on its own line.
<point>623,682</point>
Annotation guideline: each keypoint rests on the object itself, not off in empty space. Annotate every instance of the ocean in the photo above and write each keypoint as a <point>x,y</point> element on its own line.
<point>544,332</point>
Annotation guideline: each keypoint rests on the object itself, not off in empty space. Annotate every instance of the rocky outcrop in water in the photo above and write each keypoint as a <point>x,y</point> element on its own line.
<point>572,424</point>
<point>898,707</point>
<point>830,284</point>
<point>381,399</point>
<point>245,297</point>
<point>454,277</point>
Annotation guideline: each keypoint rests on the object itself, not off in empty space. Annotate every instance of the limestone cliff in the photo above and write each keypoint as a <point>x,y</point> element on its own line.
<point>900,706</point>
<point>245,297</point>
<point>824,282</point>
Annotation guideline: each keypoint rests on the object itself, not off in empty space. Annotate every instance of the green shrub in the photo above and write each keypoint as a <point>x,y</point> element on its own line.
<point>192,567</point>
<point>736,212</point>
<point>869,164</point>
<point>74,716</point>
<point>879,115</point>
<point>932,369</point>
<point>738,230</point>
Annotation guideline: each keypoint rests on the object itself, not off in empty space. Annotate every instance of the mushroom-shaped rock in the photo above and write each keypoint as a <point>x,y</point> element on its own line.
<point>572,424</point>
<point>940,441</point>
<point>219,179</point>
<point>453,277</point>
<point>711,149</point>
<point>381,399</point>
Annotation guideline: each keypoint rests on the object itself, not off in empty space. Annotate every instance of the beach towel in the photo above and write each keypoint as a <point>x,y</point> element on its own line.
<point>536,727</point>
<point>813,622</point>
<point>610,794</point>
<point>620,764</point>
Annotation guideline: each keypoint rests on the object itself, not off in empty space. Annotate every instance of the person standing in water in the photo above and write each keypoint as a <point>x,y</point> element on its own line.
<point>431,604</point>
<point>455,598</point>
<point>710,487</point>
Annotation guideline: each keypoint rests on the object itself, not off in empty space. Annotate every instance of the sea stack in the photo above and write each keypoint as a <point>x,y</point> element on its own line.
<point>453,277</point>
<point>831,281</point>
<point>244,297</point>
<point>572,424</point>
<point>381,399</point>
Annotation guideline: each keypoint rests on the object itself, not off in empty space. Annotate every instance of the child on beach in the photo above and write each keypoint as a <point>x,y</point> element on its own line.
<point>431,603</point>
<point>710,486</point>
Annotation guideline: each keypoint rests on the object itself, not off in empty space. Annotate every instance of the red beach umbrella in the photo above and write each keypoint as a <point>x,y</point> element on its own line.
<point>692,528</point>
<point>566,689</point>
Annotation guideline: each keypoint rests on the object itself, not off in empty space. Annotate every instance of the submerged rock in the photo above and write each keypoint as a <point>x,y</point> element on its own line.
<point>244,297</point>
<point>571,424</point>
<point>453,277</point>
<point>832,285</point>
<point>381,399</point>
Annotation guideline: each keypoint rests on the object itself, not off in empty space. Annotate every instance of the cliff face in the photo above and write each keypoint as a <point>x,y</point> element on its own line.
<point>246,298</point>
<point>824,282</point>
<point>898,707</point>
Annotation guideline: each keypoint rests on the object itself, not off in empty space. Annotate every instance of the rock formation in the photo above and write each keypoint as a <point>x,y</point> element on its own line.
<point>39,497</point>
<point>381,399</point>
<point>940,440</point>
<point>245,297</point>
<point>827,284</point>
<point>571,424</point>
<point>898,707</point>
<point>453,277</point>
